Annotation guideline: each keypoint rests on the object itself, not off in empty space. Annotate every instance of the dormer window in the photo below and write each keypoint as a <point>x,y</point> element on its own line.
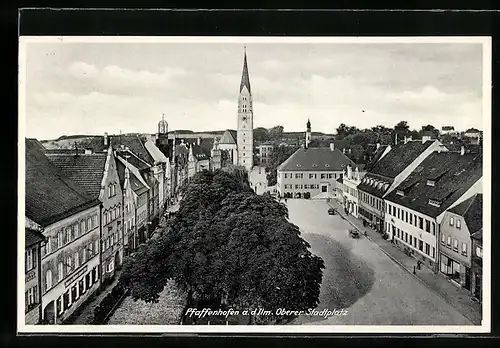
<point>431,182</point>
<point>314,165</point>
<point>400,193</point>
<point>299,165</point>
<point>327,165</point>
<point>434,203</point>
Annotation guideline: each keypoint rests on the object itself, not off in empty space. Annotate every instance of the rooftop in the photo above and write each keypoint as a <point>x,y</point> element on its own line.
<point>400,157</point>
<point>32,237</point>
<point>86,171</point>
<point>438,182</point>
<point>50,195</point>
<point>316,159</point>
<point>132,141</point>
<point>229,137</point>
<point>472,211</point>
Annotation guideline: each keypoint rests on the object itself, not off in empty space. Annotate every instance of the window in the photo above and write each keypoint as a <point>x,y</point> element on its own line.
<point>59,239</point>
<point>110,266</point>
<point>89,224</point>
<point>48,245</point>
<point>60,271</point>
<point>77,260</point>
<point>458,223</point>
<point>94,221</point>
<point>323,176</point>
<point>286,176</point>
<point>30,296</point>
<point>427,248</point>
<point>82,227</point>
<point>451,221</point>
<point>443,239</point>
<point>330,176</point>
<point>96,247</point>
<point>411,218</point>
<point>433,228</point>
<point>68,235</point>
<point>464,249</point>
<point>433,252</point>
<point>427,226</point>
<point>421,223</point>
<point>420,245</point>
<point>434,203</point>
<point>48,279</point>
<point>69,264</point>
<point>411,240</point>
<point>479,251</point>
<point>29,260</point>
<point>75,230</point>
<point>455,245</point>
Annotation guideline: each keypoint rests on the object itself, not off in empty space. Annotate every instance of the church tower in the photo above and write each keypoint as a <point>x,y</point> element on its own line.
<point>245,119</point>
<point>308,133</point>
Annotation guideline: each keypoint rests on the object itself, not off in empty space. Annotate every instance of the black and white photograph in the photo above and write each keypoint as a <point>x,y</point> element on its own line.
<point>254,184</point>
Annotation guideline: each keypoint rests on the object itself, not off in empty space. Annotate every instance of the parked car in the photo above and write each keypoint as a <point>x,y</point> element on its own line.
<point>332,211</point>
<point>354,233</point>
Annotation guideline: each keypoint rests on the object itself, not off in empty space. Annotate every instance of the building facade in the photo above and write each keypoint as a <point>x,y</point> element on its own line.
<point>455,247</point>
<point>311,173</point>
<point>477,264</point>
<point>69,220</point>
<point>70,264</point>
<point>265,150</point>
<point>351,180</point>
<point>386,174</point>
<point>418,205</point>
<point>34,240</point>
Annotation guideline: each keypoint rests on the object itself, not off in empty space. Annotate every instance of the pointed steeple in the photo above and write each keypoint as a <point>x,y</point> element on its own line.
<point>245,79</point>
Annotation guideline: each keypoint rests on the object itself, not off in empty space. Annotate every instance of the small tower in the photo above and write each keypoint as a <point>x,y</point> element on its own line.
<point>308,133</point>
<point>162,126</point>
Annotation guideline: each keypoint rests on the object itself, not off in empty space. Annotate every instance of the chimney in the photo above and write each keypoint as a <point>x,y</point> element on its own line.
<point>332,146</point>
<point>396,139</point>
<point>88,151</point>
<point>198,141</point>
<point>425,138</point>
<point>462,150</point>
<point>105,139</point>
<point>349,172</point>
<point>378,146</point>
<point>343,150</point>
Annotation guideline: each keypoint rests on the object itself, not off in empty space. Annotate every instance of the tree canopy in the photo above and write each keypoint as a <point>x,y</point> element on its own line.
<point>229,247</point>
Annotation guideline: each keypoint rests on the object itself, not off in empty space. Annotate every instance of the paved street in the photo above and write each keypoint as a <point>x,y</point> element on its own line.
<point>361,278</point>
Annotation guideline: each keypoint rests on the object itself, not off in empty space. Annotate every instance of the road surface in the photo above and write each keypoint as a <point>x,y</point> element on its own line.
<point>363,280</point>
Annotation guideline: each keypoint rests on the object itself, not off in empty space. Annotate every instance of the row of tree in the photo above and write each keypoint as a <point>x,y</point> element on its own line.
<point>229,248</point>
<point>382,134</point>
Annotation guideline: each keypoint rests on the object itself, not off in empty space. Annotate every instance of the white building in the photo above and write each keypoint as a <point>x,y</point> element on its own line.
<point>417,205</point>
<point>351,180</point>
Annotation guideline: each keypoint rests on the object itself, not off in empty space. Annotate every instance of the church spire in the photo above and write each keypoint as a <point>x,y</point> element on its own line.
<point>245,79</point>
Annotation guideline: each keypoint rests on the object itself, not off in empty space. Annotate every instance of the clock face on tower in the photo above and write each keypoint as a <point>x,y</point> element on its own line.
<point>244,118</point>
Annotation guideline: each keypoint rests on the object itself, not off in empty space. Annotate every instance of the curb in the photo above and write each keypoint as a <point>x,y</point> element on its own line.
<point>409,271</point>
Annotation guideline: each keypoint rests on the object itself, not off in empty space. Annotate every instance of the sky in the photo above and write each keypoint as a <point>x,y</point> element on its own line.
<point>92,88</point>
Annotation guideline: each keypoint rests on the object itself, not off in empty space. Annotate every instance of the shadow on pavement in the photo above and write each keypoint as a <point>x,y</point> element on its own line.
<point>346,278</point>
